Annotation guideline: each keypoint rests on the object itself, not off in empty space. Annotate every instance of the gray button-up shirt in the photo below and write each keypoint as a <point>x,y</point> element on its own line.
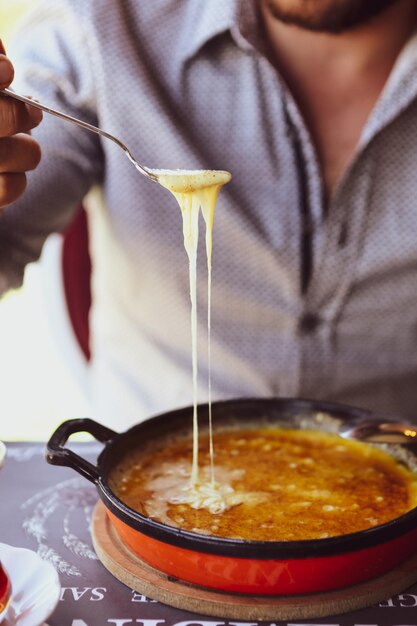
<point>308,300</point>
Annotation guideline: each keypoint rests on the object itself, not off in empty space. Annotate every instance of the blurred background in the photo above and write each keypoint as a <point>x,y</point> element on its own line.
<point>37,387</point>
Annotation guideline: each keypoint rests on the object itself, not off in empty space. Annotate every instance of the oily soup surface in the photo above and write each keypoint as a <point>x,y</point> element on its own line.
<point>284,485</point>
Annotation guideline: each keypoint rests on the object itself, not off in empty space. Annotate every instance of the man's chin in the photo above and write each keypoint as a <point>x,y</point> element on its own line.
<point>326,16</point>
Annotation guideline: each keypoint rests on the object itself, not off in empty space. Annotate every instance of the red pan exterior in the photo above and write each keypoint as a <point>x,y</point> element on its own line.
<point>262,576</point>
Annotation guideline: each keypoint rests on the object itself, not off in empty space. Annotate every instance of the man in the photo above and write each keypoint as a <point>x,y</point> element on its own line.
<point>311,104</point>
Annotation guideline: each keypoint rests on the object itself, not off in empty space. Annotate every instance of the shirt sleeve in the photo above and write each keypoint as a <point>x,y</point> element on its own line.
<point>54,62</point>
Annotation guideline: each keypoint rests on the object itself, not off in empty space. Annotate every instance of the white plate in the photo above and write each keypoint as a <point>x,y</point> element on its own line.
<point>35,587</point>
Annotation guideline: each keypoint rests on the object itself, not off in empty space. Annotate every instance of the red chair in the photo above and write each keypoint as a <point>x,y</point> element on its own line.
<point>66,272</point>
<point>76,275</point>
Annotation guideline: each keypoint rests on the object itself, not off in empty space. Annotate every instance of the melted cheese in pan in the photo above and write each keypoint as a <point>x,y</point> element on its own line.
<point>276,484</point>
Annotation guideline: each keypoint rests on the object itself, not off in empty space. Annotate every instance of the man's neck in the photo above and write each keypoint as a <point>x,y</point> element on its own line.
<point>336,79</point>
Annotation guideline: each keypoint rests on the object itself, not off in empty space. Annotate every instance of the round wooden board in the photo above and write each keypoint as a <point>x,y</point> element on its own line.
<point>137,575</point>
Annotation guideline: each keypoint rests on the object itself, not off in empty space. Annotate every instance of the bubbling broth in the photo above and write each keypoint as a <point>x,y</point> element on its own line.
<point>277,484</point>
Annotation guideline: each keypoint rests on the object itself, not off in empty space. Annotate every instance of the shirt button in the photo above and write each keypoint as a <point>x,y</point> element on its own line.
<point>308,323</point>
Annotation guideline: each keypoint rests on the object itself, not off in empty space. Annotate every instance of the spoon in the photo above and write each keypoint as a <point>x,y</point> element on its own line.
<point>177,181</point>
<point>380,431</point>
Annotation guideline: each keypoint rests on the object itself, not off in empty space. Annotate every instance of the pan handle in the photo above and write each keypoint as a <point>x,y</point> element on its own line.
<point>57,454</point>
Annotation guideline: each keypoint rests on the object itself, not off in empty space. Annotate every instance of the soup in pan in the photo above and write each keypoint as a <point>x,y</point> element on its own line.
<point>271,484</point>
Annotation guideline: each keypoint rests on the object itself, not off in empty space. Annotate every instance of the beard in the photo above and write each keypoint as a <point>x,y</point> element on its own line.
<point>326,16</point>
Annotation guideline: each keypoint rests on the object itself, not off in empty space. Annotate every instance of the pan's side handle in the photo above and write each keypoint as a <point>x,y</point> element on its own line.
<point>57,454</point>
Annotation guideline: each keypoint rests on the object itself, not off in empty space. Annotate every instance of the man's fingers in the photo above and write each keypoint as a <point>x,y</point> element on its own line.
<point>6,71</point>
<point>11,188</point>
<point>16,117</point>
<point>20,153</point>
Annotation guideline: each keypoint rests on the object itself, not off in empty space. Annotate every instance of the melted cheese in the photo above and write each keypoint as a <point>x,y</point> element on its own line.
<point>194,190</point>
<point>277,485</point>
<point>189,181</point>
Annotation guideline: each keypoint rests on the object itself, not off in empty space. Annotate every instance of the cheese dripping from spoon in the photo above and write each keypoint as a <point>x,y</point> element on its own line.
<point>195,189</point>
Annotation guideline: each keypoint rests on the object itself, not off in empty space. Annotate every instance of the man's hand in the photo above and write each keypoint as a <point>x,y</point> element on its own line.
<point>19,152</point>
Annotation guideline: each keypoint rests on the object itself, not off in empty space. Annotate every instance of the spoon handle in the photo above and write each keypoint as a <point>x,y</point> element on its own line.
<point>69,118</point>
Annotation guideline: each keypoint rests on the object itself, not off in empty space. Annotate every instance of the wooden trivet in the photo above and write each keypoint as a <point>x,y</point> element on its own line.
<point>137,575</point>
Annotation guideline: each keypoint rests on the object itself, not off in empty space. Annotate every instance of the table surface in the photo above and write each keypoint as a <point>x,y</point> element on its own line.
<point>48,509</point>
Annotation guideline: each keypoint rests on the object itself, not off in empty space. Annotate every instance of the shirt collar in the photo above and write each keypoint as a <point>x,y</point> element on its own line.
<point>208,19</point>
<point>400,91</point>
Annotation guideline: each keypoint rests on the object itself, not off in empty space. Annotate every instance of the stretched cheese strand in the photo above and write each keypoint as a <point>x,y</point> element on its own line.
<point>194,190</point>
<point>207,209</point>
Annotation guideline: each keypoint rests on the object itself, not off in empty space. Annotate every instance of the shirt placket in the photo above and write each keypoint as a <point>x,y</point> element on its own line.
<point>330,242</point>
<point>342,239</point>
